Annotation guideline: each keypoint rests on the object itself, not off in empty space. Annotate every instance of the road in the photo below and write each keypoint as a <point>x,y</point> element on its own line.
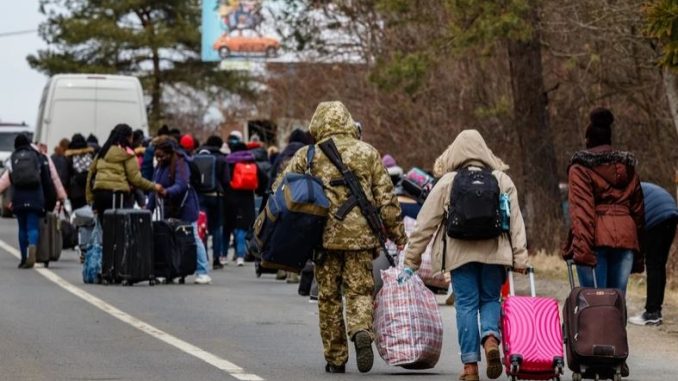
<point>53,327</point>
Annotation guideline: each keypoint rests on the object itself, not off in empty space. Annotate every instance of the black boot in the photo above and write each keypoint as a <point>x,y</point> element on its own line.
<point>329,368</point>
<point>363,351</point>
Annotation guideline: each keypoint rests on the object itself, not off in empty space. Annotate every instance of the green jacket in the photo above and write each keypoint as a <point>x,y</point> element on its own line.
<point>116,172</point>
<point>332,120</point>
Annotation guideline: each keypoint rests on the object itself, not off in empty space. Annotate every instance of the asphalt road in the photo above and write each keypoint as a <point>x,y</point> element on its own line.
<point>240,327</point>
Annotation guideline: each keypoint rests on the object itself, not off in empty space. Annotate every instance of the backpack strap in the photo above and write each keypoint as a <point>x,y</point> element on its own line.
<point>309,158</point>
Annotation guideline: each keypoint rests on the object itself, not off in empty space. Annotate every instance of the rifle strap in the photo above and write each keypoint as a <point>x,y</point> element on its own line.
<point>330,150</point>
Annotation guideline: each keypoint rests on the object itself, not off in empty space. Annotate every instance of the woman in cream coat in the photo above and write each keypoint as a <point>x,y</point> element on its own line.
<point>478,267</point>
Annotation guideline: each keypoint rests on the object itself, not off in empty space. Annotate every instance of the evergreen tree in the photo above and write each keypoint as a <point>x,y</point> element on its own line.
<point>157,41</point>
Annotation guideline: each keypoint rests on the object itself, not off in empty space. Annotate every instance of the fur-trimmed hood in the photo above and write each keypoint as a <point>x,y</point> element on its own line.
<point>616,167</point>
<point>79,151</point>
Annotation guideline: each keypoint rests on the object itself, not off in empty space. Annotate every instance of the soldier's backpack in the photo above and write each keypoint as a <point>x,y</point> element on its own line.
<point>292,224</point>
<point>205,165</point>
<point>474,212</point>
<point>25,168</point>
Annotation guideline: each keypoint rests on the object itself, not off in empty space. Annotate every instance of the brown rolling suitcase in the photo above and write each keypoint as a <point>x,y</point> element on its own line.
<point>595,331</point>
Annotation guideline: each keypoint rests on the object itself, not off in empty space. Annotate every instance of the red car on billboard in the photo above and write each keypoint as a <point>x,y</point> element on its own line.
<point>246,42</point>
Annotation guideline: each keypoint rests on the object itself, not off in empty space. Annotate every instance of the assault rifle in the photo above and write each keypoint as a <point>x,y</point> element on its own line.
<point>357,198</point>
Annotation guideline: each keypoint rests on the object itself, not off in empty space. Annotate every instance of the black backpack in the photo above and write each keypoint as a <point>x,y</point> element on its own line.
<point>474,212</point>
<point>205,165</point>
<point>25,169</point>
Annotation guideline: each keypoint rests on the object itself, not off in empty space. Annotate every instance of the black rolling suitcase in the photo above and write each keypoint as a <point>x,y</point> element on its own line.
<point>176,252</point>
<point>595,331</point>
<point>127,246</point>
<point>50,241</point>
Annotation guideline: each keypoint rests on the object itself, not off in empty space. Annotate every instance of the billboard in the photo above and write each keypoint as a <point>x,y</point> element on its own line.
<point>232,29</point>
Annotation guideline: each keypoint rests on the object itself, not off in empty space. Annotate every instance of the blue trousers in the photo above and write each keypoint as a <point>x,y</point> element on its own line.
<point>612,270</point>
<point>477,287</point>
<point>29,230</point>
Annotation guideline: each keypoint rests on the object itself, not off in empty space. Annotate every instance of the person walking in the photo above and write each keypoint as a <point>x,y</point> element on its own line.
<point>477,265</point>
<point>180,200</point>
<point>60,161</point>
<point>344,264</point>
<point>661,217</point>
<point>606,208</point>
<point>212,200</point>
<point>28,172</point>
<point>115,172</point>
<point>79,159</point>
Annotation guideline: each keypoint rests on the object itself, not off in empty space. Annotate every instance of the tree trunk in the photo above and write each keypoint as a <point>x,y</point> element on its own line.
<point>543,213</point>
<point>156,94</point>
<point>671,88</point>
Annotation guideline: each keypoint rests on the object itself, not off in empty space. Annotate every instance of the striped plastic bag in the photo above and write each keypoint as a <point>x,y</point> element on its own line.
<point>407,324</point>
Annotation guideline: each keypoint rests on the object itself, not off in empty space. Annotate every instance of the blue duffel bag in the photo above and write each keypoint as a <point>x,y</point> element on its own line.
<point>291,225</point>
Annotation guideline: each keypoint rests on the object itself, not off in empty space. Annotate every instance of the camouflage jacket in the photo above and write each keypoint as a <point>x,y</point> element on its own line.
<point>332,120</point>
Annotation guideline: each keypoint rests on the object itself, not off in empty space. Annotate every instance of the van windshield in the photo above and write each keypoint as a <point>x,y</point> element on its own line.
<point>7,139</point>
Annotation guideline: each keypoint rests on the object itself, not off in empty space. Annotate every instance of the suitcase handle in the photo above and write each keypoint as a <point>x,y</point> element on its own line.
<point>570,274</point>
<point>530,272</point>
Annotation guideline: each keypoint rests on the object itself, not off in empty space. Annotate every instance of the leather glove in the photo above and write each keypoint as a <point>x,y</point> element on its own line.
<point>405,275</point>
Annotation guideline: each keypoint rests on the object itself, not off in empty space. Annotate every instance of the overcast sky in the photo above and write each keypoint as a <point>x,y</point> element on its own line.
<point>20,86</point>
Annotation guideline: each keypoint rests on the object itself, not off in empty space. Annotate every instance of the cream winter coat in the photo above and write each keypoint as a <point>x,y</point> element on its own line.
<point>467,150</point>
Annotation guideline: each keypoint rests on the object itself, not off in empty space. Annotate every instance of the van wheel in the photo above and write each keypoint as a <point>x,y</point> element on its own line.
<point>224,52</point>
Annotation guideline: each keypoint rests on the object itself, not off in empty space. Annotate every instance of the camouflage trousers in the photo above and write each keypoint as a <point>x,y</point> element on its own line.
<point>350,271</point>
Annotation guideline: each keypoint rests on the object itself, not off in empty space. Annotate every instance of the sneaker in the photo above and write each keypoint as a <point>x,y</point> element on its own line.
<point>292,278</point>
<point>363,351</point>
<point>22,263</point>
<point>30,260</point>
<point>493,358</point>
<point>647,318</point>
<point>223,261</point>
<point>203,279</point>
<point>240,262</point>
<point>280,275</point>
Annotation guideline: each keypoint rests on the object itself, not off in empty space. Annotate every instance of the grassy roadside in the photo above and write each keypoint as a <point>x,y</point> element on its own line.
<point>551,275</point>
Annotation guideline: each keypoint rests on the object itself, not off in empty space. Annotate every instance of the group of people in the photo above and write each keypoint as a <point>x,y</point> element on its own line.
<point>618,224</point>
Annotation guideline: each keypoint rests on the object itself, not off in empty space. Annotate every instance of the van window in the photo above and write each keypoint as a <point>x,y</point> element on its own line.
<point>7,140</point>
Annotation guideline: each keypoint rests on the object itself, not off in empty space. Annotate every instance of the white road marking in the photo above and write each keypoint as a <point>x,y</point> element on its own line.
<point>216,361</point>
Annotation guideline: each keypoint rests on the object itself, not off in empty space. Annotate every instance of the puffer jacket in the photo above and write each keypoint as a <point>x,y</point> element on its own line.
<point>659,205</point>
<point>333,121</point>
<point>468,150</point>
<point>606,204</point>
<point>182,200</point>
<point>116,172</point>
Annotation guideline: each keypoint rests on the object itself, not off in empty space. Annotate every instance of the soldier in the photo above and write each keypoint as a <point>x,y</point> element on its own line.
<point>349,246</point>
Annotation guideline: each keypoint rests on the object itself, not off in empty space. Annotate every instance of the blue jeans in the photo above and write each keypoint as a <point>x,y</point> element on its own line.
<point>202,253</point>
<point>612,271</point>
<point>215,224</point>
<point>240,243</point>
<point>477,287</point>
<point>29,231</point>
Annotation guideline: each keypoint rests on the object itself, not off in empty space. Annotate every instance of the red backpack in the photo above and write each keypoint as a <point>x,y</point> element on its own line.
<point>245,177</point>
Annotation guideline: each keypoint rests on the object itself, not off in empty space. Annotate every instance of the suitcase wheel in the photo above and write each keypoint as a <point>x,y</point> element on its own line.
<point>46,264</point>
<point>182,280</point>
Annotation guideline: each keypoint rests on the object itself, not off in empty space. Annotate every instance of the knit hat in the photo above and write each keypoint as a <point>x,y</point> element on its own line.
<point>395,171</point>
<point>235,134</point>
<point>389,161</point>
<point>599,130</point>
<point>187,142</point>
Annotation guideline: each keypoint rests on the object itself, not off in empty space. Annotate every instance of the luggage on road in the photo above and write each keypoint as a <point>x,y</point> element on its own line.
<point>407,323</point>
<point>83,219</point>
<point>50,242</point>
<point>595,331</point>
<point>127,246</point>
<point>91,268</point>
<point>532,335</point>
<point>69,234</point>
<point>176,253</point>
<point>292,224</point>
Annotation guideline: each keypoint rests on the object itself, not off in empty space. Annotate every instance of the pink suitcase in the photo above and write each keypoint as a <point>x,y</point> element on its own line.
<point>532,336</point>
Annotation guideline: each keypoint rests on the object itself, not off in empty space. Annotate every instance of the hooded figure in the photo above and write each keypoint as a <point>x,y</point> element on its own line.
<point>79,158</point>
<point>477,266</point>
<point>349,245</point>
<point>606,208</point>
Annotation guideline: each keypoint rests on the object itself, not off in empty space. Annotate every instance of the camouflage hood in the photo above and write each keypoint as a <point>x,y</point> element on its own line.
<point>469,146</point>
<point>332,119</point>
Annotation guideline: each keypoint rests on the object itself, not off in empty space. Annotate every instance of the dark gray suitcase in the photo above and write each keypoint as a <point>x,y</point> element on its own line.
<point>50,242</point>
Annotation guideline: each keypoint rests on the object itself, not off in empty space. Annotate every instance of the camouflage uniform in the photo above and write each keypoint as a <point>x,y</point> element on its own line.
<point>349,244</point>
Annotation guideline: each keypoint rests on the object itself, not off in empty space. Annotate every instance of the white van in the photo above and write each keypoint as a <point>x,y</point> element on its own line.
<point>88,104</point>
<point>9,132</point>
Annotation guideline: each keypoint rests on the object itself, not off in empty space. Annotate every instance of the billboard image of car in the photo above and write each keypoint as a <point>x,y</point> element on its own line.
<point>233,28</point>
